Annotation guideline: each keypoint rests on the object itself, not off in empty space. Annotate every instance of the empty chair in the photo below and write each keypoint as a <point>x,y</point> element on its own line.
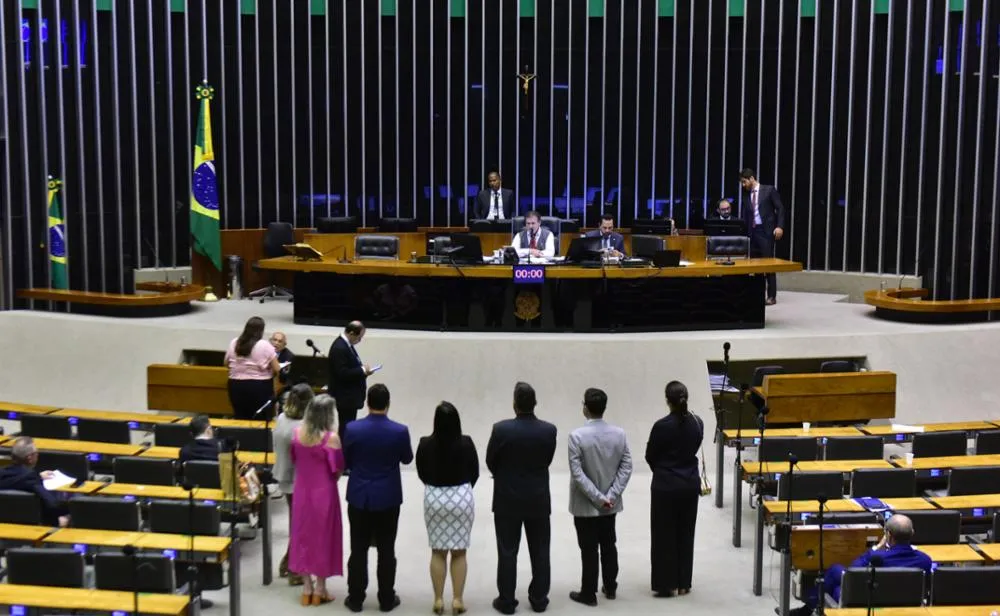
<point>757,380</point>
<point>896,586</point>
<point>974,480</point>
<point>727,246</point>
<point>134,573</point>
<point>171,435</point>
<point>19,507</point>
<point>45,426</point>
<point>854,448</point>
<point>202,473</point>
<point>249,439</point>
<point>838,365</point>
<point>277,236</point>
<point>101,513</point>
<point>333,224</point>
<point>397,225</point>
<point>103,430</point>
<point>176,517</point>
<point>935,526</point>
<point>45,567</point>
<point>151,471</point>
<point>988,442</point>
<point>884,482</point>
<point>811,486</point>
<point>938,444</point>
<point>776,449</point>
<point>376,247</point>
<point>439,245</point>
<point>646,246</point>
<point>68,463</point>
<point>965,586</point>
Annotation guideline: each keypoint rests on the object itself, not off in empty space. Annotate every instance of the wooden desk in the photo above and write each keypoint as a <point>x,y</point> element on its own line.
<point>164,492</point>
<point>990,550</point>
<point>935,610</point>
<point>12,410</point>
<point>85,488</point>
<point>23,532</point>
<point>104,449</point>
<point>215,548</point>
<point>817,432</point>
<point>841,505</point>
<point>912,503</point>
<point>842,544</point>
<point>192,389</point>
<point>910,305</point>
<point>973,501</point>
<point>172,453</point>
<point>956,553</point>
<point>172,301</point>
<point>966,426</point>
<point>947,462</point>
<point>750,469</point>
<point>829,396</point>
<point>225,422</point>
<point>142,419</point>
<point>91,600</point>
<point>86,536</point>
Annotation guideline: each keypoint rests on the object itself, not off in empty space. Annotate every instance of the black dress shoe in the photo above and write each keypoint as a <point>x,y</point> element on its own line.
<point>206,603</point>
<point>502,607</point>
<point>388,607</point>
<point>353,604</point>
<point>539,605</point>
<point>584,599</point>
<point>608,594</point>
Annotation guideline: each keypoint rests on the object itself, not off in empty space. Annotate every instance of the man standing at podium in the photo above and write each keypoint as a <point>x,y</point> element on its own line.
<point>534,239</point>
<point>765,218</point>
<point>494,202</point>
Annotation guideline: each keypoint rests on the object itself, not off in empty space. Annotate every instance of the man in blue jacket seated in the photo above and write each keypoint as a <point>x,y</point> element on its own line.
<point>894,550</point>
<point>22,476</point>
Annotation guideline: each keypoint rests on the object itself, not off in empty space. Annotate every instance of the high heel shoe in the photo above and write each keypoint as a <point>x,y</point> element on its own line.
<point>306,600</point>
<point>438,606</point>
<point>321,598</point>
<point>457,607</point>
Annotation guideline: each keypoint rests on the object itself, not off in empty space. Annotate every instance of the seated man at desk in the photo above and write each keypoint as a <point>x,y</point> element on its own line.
<point>22,476</point>
<point>612,243</point>
<point>494,202</point>
<point>204,445</point>
<point>894,550</point>
<point>534,239</point>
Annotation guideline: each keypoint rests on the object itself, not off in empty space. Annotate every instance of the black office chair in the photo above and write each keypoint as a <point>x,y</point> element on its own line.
<point>146,573</point>
<point>175,517</point>
<point>202,473</point>
<point>18,507</point>
<point>103,430</point>
<point>987,442</point>
<point>757,380</point>
<point>334,224</point>
<point>838,365</point>
<point>725,247</point>
<point>171,435</point>
<point>69,463</point>
<point>384,247</point>
<point>938,444</point>
<point>150,471</point>
<point>439,245</point>
<point>854,448</point>
<point>776,449</point>
<point>935,526</point>
<point>974,480</point>
<point>896,587</point>
<point>101,513</point>
<point>646,246</point>
<point>250,439</point>
<point>811,485</point>
<point>397,225</point>
<point>45,567</point>
<point>884,482</point>
<point>45,426</point>
<point>965,586</point>
<point>278,234</point>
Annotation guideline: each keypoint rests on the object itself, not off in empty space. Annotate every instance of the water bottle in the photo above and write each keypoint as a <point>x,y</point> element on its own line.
<point>881,286</point>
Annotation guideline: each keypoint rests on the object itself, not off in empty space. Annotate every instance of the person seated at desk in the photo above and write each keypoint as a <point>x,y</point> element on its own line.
<point>534,239</point>
<point>612,243</point>
<point>204,445</point>
<point>285,356</point>
<point>494,202</point>
<point>22,476</point>
<point>723,210</point>
<point>894,550</point>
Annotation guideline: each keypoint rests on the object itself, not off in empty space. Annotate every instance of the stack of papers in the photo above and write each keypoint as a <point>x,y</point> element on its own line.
<point>715,380</point>
<point>58,480</point>
<point>900,428</point>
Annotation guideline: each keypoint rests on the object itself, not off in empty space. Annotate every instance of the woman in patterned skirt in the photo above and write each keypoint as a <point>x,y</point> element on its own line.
<point>449,467</point>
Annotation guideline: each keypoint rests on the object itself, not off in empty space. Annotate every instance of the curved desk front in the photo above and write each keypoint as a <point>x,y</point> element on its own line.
<point>400,294</point>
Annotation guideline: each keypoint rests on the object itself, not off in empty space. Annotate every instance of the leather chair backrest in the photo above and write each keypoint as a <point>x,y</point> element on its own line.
<point>727,245</point>
<point>647,245</point>
<point>439,244</point>
<point>376,247</point>
<point>277,235</point>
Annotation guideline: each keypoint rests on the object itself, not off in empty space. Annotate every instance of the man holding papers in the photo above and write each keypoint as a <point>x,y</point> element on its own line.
<point>22,476</point>
<point>534,240</point>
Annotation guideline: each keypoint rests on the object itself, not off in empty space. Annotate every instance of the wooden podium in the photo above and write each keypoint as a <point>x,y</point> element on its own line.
<point>829,396</point>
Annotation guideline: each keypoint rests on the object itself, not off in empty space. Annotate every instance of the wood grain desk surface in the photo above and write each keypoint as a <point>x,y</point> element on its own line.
<point>171,453</point>
<point>909,299</point>
<point>912,503</point>
<point>935,610</point>
<point>87,487</point>
<point>149,418</point>
<point>844,466</point>
<point>815,432</point>
<point>93,600</point>
<point>886,429</point>
<point>219,546</point>
<point>152,491</point>
<point>948,462</point>
<point>811,506</point>
<point>27,409</point>
<point>972,501</point>
<point>88,536</point>
<point>23,532</point>
<point>954,553</point>
<point>111,449</point>
<point>991,550</point>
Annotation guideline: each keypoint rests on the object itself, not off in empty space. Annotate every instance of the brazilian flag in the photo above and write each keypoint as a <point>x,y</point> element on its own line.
<point>204,188</point>
<point>57,238</point>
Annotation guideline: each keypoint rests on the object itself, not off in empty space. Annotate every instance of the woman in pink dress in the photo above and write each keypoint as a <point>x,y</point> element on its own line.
<point>317,545</point>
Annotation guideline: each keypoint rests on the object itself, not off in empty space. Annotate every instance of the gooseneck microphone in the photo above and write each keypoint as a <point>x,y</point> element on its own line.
<point>315,349</point>
<point>725,352</point>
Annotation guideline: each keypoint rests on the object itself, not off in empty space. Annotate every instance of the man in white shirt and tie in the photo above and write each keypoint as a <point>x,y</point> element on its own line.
<point>494,203</point>
<point>765,219</point>
<point>534,240</point>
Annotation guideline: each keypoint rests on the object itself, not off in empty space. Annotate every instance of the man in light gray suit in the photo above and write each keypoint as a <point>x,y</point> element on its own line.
<point>600,466</point>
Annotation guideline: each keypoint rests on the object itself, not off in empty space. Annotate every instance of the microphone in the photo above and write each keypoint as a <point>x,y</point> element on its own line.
<point>315,349</point>
<point>725,352</point>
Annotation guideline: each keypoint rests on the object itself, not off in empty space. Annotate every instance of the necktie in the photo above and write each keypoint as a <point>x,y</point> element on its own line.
<point>495,211</point>
<point>355,351</point>
<point>531,244</point>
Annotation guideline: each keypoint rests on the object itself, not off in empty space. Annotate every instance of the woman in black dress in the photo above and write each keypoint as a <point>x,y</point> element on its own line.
<point>672,455</point>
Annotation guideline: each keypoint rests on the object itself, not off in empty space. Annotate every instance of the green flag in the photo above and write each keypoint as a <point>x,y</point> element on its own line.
<point>204,188</point>
<point>57,238</point>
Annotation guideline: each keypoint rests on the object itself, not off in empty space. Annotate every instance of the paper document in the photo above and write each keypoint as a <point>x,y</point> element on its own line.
<point>284,364</point>
<point>905,428</point>
<point>58,480</point>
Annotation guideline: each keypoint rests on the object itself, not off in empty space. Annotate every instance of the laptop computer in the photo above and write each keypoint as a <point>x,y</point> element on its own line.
<point>667,258</point>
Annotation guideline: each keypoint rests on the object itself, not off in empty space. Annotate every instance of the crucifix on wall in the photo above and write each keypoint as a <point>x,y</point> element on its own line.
<point>525,76</point>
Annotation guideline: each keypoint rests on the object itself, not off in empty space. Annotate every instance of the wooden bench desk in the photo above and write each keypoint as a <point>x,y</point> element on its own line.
<point>911,503</point>
<point>751,469</point>
<point>947,462</point>
<point>971,502</point>
<point>934,610</point>
<point>13,410</point>
<point>958,553</point>
<point>172,453</point>
<point>214,549</point>
<point>153,491</point>
<point>900,434</point>
<point>814,431</point>
<point>91,600</point>
<point>89,536</point>
<point>104,449</point>
<point>780,508</point>
<point>23,532</point>
<point>86,488</point>
<point>142,420</point>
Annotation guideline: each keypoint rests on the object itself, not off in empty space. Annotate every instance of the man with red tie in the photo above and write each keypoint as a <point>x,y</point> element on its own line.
<point>534,239</point>
<point>765,218</point>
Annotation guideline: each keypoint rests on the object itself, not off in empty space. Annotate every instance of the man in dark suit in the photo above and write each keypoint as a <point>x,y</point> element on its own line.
<point>348,375</point>
<point>765,218</point>
<point>374,447</point>
<point>495,202</point>
<point>723,210</point>
<point>518,455</point>
<point>22,476</point>
<point>203,444</point>
<point>611,242</point>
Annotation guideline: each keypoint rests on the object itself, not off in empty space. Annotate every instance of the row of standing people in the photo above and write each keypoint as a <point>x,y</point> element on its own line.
<point>311,457</point>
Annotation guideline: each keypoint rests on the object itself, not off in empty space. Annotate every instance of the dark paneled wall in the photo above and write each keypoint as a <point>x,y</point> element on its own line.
<point>877,120</point>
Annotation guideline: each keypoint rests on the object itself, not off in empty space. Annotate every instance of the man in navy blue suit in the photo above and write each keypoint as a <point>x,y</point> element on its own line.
<point>22,476</point>
<point>765,218</point>
<point>611,242</point>
<point>374,447</point>
<point>518,455</point>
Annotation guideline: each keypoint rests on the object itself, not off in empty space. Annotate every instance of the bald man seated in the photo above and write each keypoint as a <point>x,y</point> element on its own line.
<point>894,550</point>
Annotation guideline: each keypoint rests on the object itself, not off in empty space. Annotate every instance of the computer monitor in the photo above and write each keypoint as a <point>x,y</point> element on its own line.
<point>583,249</point>
<point>718,226</point>
<point>648,226</point>
<point>465,248</point>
